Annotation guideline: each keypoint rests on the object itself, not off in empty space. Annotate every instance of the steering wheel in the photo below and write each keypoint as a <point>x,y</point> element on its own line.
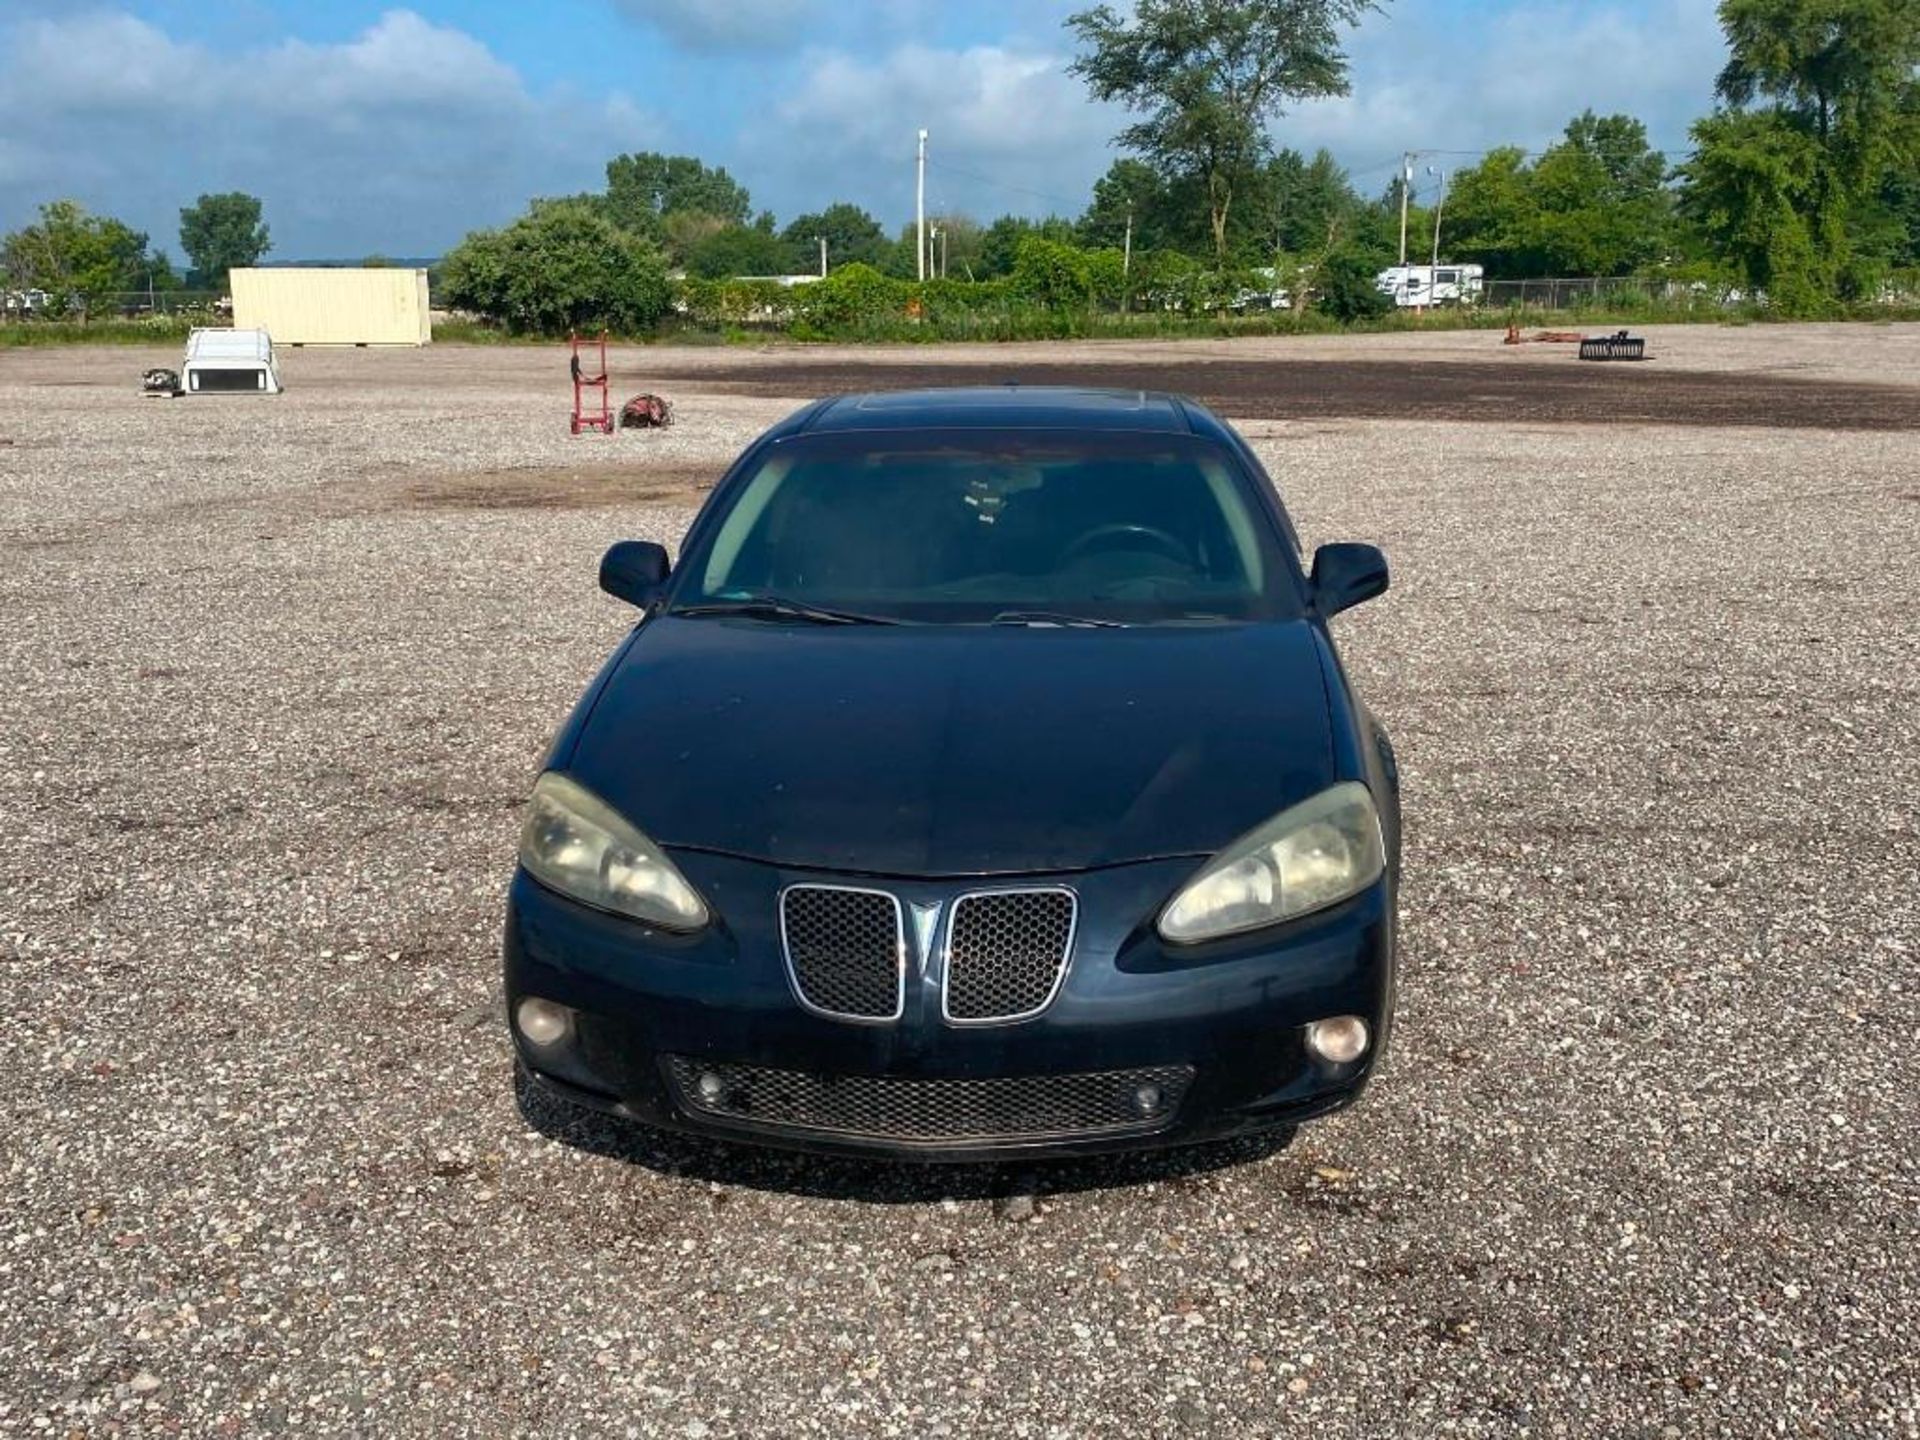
<point>1104,537</point>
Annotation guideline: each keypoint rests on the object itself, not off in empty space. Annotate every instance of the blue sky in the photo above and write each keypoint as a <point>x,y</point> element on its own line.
<point>369,126</point>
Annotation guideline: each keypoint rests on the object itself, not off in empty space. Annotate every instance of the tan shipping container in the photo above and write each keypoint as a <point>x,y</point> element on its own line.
<point>334,306</point>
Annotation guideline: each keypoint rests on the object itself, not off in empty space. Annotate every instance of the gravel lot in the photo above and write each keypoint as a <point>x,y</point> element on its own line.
<point>276,675</point>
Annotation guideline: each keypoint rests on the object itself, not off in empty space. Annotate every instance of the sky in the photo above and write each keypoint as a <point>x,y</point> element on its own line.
<point>397,128</point>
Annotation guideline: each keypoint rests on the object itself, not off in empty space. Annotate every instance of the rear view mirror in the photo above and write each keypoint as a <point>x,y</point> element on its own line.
<point>1346,575</point>
<point>634,571</point>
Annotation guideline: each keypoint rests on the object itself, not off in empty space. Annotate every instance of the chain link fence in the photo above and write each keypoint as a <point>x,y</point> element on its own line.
<point>24,306</point>
<point>1624,292</point>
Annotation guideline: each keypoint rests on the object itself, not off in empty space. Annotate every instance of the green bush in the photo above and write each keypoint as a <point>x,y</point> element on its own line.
<point>723,304</point>
<point>562,267</point>
<point>1347,289</point>
<point>852,297</point>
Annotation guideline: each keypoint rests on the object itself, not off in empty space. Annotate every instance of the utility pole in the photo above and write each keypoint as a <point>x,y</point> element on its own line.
<point>1126,262</point>
<point>1406,192</point>
<point>943,252</point>
<point>920,207</point>
<point>823,255</point>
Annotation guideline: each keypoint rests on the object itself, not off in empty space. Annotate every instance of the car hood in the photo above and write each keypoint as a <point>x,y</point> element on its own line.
<point>957,750</point>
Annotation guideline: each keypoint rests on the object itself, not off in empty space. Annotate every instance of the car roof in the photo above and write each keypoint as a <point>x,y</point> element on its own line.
<point>1003,407</point>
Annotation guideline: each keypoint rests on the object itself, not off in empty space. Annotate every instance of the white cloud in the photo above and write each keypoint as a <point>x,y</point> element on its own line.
<point>1010,129</point>
<point>399,139</point>
<point>1424,77</point>
<point>408,134</point>
<point>1514,77</point>
<point>725,24</point>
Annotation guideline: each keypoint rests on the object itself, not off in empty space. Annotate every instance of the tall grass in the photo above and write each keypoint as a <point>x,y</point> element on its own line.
<point>154,330</point>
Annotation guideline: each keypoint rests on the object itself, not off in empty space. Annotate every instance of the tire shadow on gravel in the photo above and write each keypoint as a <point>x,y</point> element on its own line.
<point>879,1182</point>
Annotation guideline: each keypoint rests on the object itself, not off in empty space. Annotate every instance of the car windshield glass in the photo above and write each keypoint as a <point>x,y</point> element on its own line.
<point>1031,528</point>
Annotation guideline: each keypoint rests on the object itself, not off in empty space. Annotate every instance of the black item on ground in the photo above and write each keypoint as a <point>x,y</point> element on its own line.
<point>1617,346</point>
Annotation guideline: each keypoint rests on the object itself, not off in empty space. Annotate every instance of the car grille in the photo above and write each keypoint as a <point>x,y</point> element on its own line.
<point>931,1112</point>
<point>845,950</point>
<point>1006,953</point>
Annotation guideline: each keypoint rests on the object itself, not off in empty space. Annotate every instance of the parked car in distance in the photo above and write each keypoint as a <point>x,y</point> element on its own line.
<point>983,781</point>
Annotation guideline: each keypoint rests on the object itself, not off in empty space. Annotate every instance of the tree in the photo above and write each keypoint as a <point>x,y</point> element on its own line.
<point>1900,195</point>
<point>1346,288</point>
<point>853,238</point>
<point>1208,75</point>
<point>1795,190</point>
<point>901,261</point>
<point>643,189</point>
<point>560,267</point>
<point>1751,190</point>
<point>740,250</point>
<point>682,232</point>
<point>1492,216</point>
<point>1314,202</point>
<point>1595,203</point>
<point>1061,276</point>
<point>1843,67</point>
<point>1599,199</point>
<point>1130,195</point>
<point>960,242</point>
<point>79,259</point>
<point>1000,245</point>
<point>955,244</point>
<point>221,233</point>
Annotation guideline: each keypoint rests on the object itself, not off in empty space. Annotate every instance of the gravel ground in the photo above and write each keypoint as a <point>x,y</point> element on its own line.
<point>276,676</point>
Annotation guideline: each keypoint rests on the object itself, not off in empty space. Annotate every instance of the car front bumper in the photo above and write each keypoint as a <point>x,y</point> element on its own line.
<point>704,1034</point>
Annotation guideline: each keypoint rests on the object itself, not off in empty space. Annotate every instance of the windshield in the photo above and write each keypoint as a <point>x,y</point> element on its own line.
<point>1024,528</point>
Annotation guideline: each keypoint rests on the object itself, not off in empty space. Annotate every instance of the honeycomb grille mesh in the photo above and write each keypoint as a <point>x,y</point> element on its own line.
<point>1006,953</point>
<point>937,1110</point>
<point>844,948</point>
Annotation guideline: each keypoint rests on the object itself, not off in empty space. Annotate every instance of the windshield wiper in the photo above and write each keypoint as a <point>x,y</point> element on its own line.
<point>774,607</point>
<point>1049,617</point>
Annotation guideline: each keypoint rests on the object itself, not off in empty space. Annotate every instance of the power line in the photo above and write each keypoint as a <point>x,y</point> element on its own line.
<point>987,180</point>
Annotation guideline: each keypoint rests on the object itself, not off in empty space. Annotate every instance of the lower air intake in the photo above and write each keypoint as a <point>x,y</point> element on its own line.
<point>933,1111</point>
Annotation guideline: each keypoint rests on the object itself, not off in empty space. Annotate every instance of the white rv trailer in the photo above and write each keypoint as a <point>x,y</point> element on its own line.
<point>1422,285</point>
<point>229,362</point>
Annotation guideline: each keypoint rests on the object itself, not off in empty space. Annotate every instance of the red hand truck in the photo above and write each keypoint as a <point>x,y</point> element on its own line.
<point>591,408</point>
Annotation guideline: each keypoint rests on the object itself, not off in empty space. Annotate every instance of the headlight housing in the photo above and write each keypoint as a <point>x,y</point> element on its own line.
<point>576,843</point>
<point>1320,852</point>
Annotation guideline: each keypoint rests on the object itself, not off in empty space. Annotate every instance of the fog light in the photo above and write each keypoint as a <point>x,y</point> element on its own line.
<point>1341,1040</point>
<point>542,1022</point>
<point>1148,1099</point>
<point>710,1087</point>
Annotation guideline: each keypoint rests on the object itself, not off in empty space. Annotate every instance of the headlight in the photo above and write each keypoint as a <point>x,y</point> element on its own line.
<point>1317,854</point>
<point>581,846</point>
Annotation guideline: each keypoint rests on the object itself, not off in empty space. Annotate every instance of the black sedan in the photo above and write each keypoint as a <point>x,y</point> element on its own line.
<point>983,782</point>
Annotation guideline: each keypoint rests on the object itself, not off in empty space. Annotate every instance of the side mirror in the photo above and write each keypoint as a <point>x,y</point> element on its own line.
<point>634,571</point>
<point>1346,575</point>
